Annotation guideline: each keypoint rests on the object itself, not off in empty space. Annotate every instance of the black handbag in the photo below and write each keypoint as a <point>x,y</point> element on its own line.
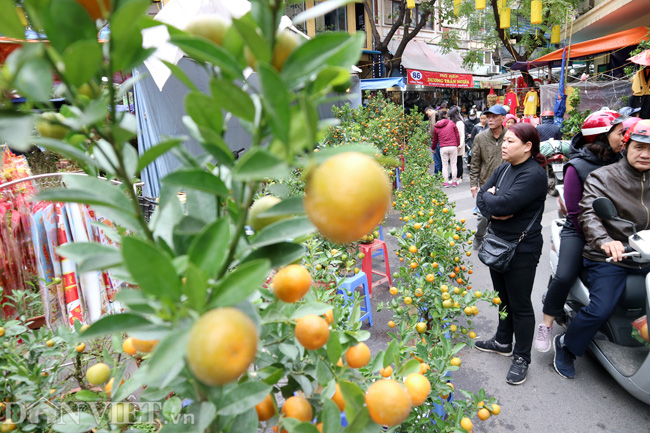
<point>498,253</point>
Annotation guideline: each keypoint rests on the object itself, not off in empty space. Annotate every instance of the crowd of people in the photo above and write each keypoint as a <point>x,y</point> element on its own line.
<point>610,157</point>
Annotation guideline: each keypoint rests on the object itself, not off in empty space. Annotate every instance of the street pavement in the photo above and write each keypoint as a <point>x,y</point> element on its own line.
<point>546,402</point>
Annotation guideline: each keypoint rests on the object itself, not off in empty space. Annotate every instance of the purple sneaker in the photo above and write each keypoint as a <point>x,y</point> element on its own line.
<point>543,339</point>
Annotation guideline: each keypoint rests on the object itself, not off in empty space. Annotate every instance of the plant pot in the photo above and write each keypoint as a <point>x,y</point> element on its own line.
<point>36,322</point>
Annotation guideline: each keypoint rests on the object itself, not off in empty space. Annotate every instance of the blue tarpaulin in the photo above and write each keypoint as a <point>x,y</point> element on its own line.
<point>382,83</point>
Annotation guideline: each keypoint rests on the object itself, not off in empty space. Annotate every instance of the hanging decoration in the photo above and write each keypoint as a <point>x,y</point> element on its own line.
<point>501,4</point>
<point>536,12</point>
<point>410,4</point>
<point>555,34</point>
<point>480,4</point>
<point>457,4</point>
<point>504,18</point>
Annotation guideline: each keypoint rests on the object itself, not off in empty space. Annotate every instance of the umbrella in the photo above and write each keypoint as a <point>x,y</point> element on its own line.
<point>643,58</point>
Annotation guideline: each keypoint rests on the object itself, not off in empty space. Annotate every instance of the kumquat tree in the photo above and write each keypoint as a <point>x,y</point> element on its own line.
<point>238,329</point>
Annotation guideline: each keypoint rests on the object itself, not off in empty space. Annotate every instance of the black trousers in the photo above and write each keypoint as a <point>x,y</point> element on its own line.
<point>459,167</point>
<point>514,288</point>
<point>569,266</point>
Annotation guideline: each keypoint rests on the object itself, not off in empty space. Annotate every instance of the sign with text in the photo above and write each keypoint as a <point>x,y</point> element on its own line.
<point>439,79</point>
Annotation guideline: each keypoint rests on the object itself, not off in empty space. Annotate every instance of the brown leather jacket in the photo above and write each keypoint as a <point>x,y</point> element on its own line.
<point>629,190</point>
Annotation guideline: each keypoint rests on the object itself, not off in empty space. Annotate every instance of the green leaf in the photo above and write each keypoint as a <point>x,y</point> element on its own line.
<point>151,154</point>
<point>238,284</point>
<point>233,99</point>
<point>204,110</point>
<point>275,99</point>
<point>181,76</point>
<point>259,164</point>
<point>204,412</point>
<point>326,49</point>
<point>126,39</point>
<point>82,60</point>
<point>155,275</point>
<point>354,398</point>
<point>303,427</point>
<point>195,287</point>
<point>285,230</point>
<point>210,248</point>
<point>197,179</point>
<point>245,422</point>
<point>171,408</point>
<point>280,254</point>
<point>90,256</point>
<point>362,423</point>
<point>10,24</point>
<point>202,50</point>
<point>330,417</point>
<point>270,375</point>
<point>243,397</point>
<point>334,348</point>
<point>323,373</point>
<point>16,129</point>
<point>317,308</point>
<point>288,206</point>
<point>411,366</point>
<point>392,351</point>
<point>79,422</point>
<point>115,323</point>
<point>86,395</point>
<point>56,23</point>
<point>113,196</point>
<point>34,79</point>
<point>168,352</point>
<point>249,31</point>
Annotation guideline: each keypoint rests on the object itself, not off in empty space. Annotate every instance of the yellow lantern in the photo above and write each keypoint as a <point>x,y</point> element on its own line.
<point>457,4</point>
<point>480,4</point>
<point>555,34</point>
<point>504,18</point>
<point>410,4</point>
<point>501,4</point>
<point>536,12</point>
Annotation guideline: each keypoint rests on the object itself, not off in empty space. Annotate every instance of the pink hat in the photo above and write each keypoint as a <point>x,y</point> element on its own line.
<point>508,117</point>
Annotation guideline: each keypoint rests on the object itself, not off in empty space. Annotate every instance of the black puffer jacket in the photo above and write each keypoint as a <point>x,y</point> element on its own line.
<point>547,129</point>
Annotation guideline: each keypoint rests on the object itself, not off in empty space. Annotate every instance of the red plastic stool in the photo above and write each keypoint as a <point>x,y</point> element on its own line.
<point>366,264</point>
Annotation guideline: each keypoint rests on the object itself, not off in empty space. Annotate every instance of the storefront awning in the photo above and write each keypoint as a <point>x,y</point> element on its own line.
<point>605,44</point>
<point>382,83</point>
<point>422,56</point>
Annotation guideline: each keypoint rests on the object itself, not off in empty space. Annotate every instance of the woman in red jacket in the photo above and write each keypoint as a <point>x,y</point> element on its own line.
<point>446,133</point>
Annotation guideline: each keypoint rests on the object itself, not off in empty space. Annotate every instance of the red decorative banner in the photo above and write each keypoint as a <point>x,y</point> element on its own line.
<point>439,79</point>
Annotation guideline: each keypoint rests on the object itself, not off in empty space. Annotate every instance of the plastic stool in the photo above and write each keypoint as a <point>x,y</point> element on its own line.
<point>350,284</point>
<point>366,264</point>
<point>381,238</point>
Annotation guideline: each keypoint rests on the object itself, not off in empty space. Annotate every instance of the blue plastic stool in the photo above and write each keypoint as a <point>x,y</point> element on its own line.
<point>351,283</point>
<point>380,252</point>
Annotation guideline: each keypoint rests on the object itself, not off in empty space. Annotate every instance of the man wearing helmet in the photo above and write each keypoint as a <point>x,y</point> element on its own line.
<point>548,129</point>
<point>627,185</point>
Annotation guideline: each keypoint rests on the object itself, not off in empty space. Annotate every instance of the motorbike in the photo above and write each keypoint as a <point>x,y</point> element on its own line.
<point>556,153</point>
<point>625,359</point>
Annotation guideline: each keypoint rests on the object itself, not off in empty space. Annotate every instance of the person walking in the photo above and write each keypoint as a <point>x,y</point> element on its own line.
<point>627,185</point>
<point>454,116</point>
<point>598,144</point>
<point>433,118</point>
<point>486,157</point>
<point>548,129</point>
<point>513,200</point>
<point>446,133</point>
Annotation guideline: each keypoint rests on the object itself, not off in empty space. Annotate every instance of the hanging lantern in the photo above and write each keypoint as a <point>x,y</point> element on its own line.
<point>457,4</point>
<point>410,4</point>
<point>480,4</point>
<point>555,34</point>
<point>501,4</point>
<point>536,12</point>
<point>504,18</point>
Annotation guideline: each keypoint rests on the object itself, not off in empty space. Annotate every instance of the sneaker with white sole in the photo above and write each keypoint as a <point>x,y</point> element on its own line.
<point>518,371</point>
<point>543,339</point>
<point>492,345</point>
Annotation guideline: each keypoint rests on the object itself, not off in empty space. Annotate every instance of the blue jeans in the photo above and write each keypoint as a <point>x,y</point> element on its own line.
<point>606,285</point>
<point>437,161</point>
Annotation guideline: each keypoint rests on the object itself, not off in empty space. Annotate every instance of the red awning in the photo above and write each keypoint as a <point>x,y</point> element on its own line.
<point>607,43</point>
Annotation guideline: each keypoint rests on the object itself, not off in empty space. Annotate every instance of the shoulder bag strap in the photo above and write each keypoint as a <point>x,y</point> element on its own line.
<point>525,232</point>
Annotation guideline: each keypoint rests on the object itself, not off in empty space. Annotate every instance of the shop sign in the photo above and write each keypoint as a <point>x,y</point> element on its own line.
<point>496,85</point>
<point>439,79</point>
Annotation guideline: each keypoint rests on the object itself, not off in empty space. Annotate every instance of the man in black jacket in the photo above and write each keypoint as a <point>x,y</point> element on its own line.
<point>548,129</point>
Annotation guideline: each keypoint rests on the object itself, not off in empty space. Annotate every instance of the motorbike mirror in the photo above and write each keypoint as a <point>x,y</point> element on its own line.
<point>605,209</point>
